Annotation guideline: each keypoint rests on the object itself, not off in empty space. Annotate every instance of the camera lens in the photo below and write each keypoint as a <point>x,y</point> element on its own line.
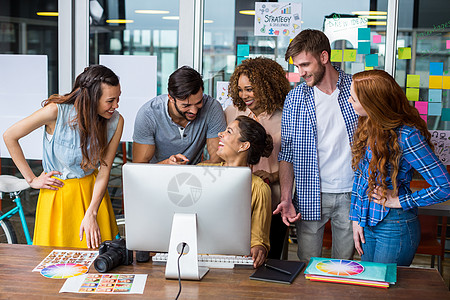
<point>108,260</point>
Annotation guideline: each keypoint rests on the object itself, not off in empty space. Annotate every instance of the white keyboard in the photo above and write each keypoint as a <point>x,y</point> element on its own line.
<point>212,261</point>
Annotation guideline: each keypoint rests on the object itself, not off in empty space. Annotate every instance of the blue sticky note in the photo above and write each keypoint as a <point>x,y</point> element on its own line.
<point>437,68</point>
<point>434,109</point>
<point>434,95</point>
<point>372,60</point>
<point>364,34</point>
<point>243,50</point>
<point>363,47</point>
<point>445,114</point>
<point>239,59</point>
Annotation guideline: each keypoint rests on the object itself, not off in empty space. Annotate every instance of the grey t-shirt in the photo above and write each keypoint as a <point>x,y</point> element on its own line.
<point>154,126</point>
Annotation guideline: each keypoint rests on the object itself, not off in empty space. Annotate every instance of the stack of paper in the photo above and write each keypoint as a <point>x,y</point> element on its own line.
<point>351,272</point>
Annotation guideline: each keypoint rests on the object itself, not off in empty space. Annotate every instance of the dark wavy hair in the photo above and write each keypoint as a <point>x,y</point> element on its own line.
<point>387,108</point>
<point>85,96</point>
<point>261,143</point>
<point>268,81</point>
<point>185,81</point>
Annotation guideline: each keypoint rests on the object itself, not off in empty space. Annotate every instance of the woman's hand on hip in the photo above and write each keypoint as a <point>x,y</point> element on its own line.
<point>391,200</point>
<point>358,237</point>
<point>46,181</point>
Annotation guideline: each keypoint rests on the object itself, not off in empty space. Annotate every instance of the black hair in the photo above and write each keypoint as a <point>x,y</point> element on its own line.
<point>261,143</point>
<point>184,82</point>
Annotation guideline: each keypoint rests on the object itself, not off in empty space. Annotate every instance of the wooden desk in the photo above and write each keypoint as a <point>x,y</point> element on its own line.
<point>18,282</point>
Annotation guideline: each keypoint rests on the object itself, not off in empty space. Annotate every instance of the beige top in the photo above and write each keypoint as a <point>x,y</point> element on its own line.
<point>272,124</point>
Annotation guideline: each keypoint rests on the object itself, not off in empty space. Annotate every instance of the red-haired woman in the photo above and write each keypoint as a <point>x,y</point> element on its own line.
<point>82,133</point>
<point>391,140</point>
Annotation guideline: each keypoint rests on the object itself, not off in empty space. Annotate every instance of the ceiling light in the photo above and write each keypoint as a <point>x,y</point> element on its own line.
<point>208,21</point>
<point>151,11</point>
<point>371,13</point>
<point>119,21</point>
<point>171,18</point>
<point>373,17</point>
<point>47,14</point>
<point>376,23</point>
<point>247,12</point>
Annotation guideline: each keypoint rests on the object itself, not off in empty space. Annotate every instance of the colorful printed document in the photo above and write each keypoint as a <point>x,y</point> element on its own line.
<point>351,272</point>
<point>106,284</point>
<point>85,258</point>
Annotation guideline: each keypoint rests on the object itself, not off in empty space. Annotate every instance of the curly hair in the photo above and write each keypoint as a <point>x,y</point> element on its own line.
<point>387,108</point>
<point>85,96</point>
<point>268,80</point>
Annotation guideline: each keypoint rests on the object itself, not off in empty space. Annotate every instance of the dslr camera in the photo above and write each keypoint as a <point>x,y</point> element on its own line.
<point>112,254</point>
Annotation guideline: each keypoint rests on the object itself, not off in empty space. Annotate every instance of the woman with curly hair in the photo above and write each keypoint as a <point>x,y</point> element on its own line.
<point>391,140</point>
<point>258,88</point>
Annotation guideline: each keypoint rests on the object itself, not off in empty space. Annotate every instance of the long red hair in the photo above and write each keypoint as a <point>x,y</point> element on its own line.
<point>387,108</point>
<point>85,96</point>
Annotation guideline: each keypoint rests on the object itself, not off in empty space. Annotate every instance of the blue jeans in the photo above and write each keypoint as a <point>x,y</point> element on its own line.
<point>393,240</point>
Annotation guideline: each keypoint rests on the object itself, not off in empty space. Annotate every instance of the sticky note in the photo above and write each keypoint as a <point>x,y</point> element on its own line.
<point>291,61</point>
<point>446,83</point>
<point>368,68</point>
<point>372,60</point>
<point>412,80</point>
<point>336,55</point>
<point>422,107</point>
<point>376,39</point>
<point>363,33</point>
<point>243,50</point>
<point>434,95</point>
<point>350,55</point>
<point>445,116</point>
<point>357,67</point>
<point>434,109</point>
<point>447,45</point>
<point>239,59</point>
<point>363,47</point>
<point>424,117</point>
<point>436,68</point>
<point>435,82</point>
<point>412,94</point>
<point>404,53</point>
<point>293,77</point>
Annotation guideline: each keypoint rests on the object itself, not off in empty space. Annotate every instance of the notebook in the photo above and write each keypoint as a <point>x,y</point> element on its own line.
<point>270,274</point>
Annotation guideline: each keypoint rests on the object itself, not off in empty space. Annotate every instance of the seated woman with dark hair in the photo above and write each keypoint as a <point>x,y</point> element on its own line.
<point>242,144</point>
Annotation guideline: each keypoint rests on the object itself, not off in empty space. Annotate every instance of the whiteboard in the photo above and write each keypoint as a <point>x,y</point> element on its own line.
<point>23,86</point>
<point>138,81</point>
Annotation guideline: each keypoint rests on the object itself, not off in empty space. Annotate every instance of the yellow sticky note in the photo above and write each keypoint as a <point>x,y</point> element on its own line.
<point>350,55</point>
<point>412,80</point>
<point>291,61</point>
<point>435,82</point>
<point>336,55</point>
<point>446,83</point>
<point>368,68</point>
<point>412,94</point>
<point>404,53</point>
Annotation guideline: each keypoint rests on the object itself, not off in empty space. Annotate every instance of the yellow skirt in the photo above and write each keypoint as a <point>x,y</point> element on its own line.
<point>59,214</point>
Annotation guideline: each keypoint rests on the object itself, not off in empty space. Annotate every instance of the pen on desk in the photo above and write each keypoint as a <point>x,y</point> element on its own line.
<point>277,269</point>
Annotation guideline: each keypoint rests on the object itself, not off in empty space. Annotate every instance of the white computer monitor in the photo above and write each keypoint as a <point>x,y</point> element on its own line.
<point>212,205</point>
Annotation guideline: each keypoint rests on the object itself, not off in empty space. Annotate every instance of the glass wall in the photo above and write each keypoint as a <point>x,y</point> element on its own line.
<point>136,27</point>
<point>353,50</point>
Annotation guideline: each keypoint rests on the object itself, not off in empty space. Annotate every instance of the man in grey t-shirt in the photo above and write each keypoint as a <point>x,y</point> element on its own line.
<point>174,128</point>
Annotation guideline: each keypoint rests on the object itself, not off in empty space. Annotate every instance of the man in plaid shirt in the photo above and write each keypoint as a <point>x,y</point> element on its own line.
<point>316,131</point>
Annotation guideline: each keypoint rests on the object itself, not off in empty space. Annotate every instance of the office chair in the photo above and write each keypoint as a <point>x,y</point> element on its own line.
<point>428,242</point>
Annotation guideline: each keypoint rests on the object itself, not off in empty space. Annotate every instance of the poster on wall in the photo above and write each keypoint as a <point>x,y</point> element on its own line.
<point>441,142</point>
<point>222,94</point>
<point>337,28</point>
<point>277,18</point>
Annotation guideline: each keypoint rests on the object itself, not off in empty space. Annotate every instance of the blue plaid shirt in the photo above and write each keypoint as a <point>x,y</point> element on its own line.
<point>299,142</point>
<point>415,154</point>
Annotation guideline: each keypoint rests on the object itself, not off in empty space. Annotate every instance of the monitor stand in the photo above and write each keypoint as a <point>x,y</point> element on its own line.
<point>184,230</point>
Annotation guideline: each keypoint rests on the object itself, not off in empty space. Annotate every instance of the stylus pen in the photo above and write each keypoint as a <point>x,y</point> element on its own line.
<point>277,269</point>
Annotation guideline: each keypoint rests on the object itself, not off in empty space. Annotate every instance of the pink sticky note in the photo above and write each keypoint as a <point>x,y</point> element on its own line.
<point>422,107</point>
<point>448,44</point>
<point>377,39</point>
<point>293,77</point>
<point>424,117</point>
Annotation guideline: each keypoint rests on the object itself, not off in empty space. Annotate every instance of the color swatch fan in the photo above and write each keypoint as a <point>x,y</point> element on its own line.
<point>340,267</point>
<point>61,271</point>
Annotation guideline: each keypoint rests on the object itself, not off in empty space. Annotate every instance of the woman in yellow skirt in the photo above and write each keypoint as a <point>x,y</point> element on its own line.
<point>82,133</point>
